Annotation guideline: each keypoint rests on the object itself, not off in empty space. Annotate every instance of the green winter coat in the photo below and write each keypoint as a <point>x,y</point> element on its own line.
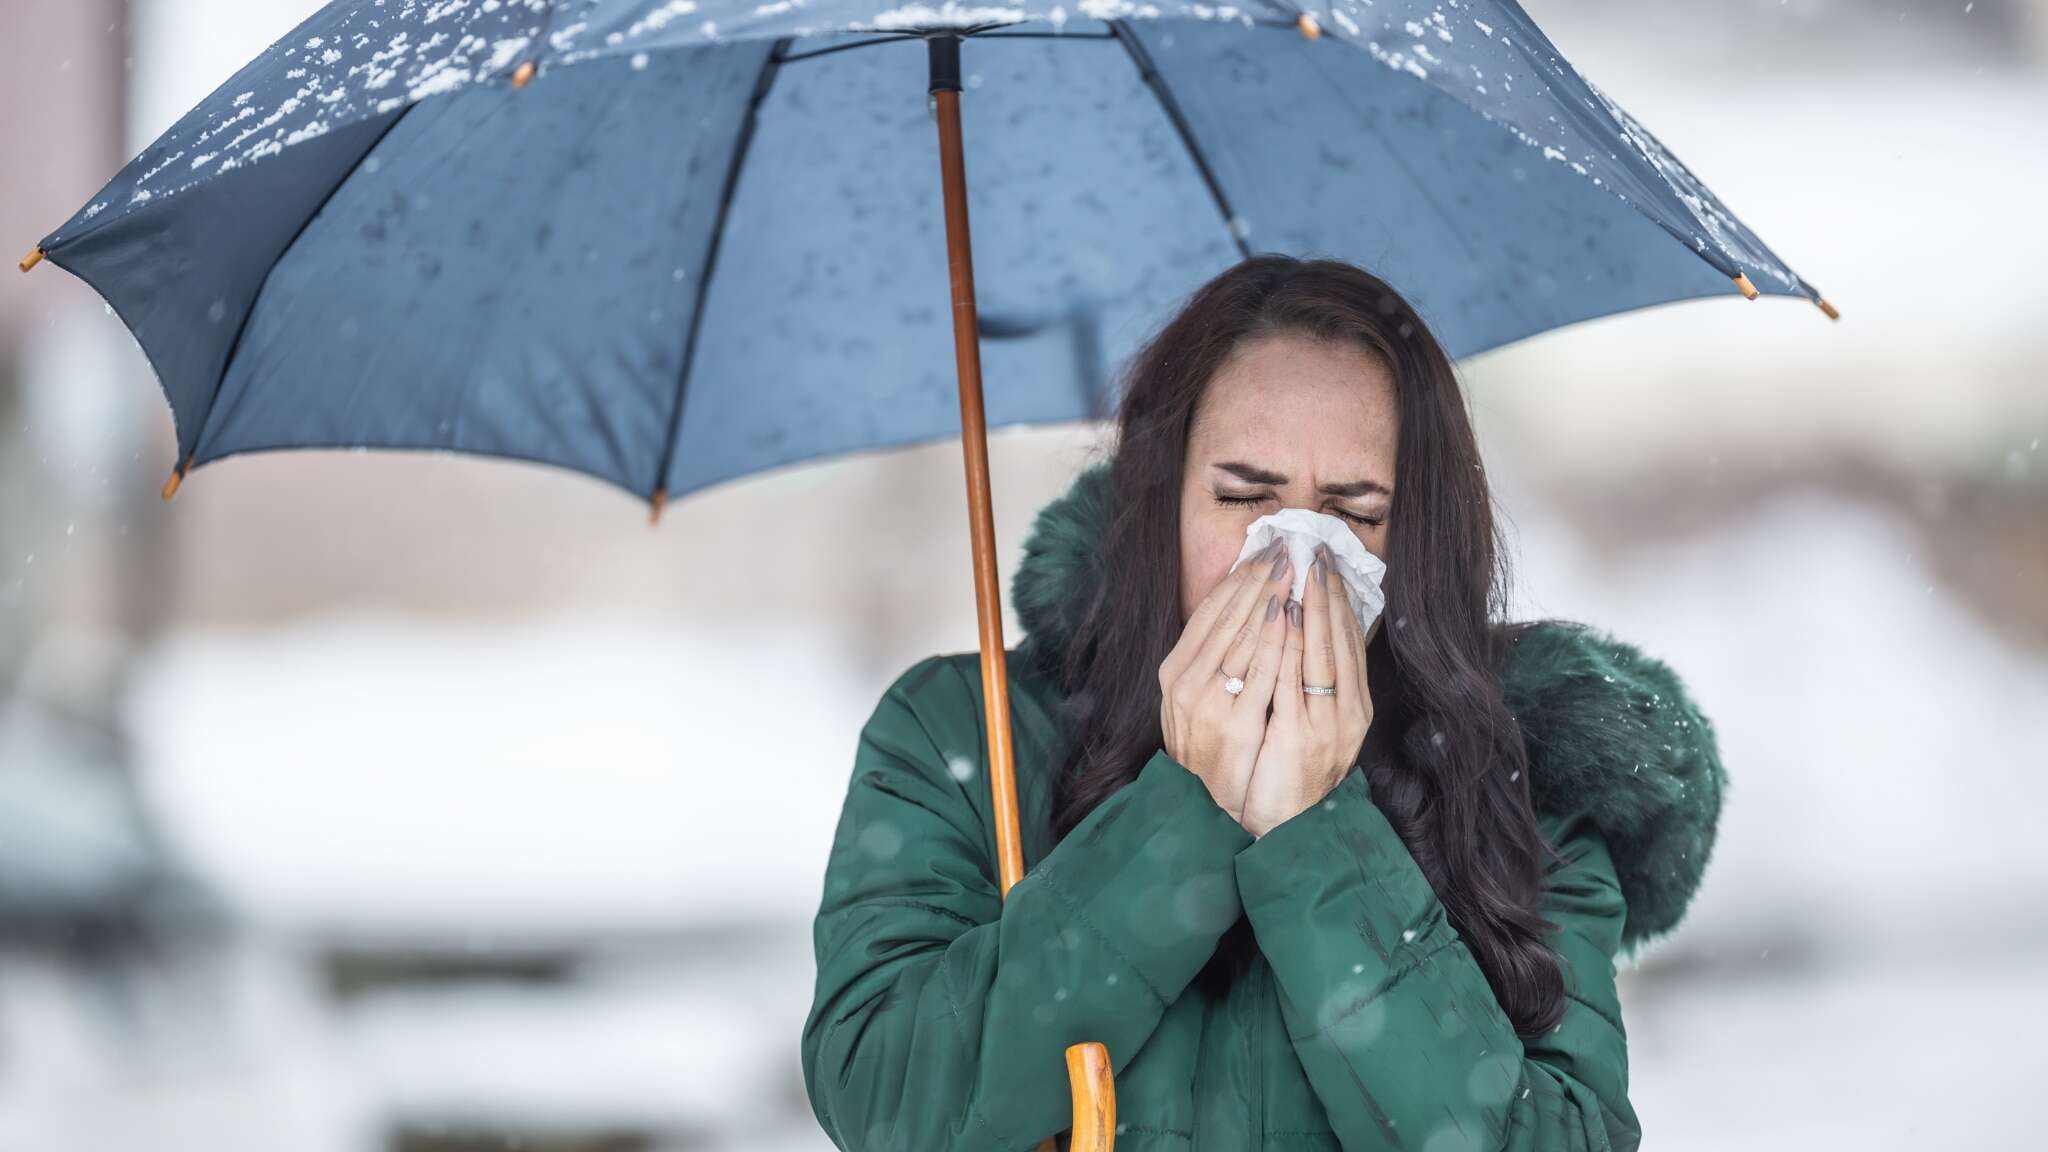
<point>942,1010</point>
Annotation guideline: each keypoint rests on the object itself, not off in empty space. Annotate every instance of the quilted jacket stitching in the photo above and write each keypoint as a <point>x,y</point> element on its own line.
<point>1386,986</point>
<point>1052,884</point>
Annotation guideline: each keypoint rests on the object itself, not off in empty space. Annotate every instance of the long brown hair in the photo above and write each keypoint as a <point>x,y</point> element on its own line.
<point>1444,757</point>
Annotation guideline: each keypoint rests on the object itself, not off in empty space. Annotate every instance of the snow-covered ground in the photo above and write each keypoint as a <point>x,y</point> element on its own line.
<point>580,775</point>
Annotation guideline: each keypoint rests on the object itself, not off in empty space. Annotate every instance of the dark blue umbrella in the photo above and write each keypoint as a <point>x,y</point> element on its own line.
<point>705,238</point>
<point>672,242</point>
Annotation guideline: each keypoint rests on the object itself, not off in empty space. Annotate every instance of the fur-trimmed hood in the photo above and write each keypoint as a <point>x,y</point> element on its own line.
<point>1610,730</point>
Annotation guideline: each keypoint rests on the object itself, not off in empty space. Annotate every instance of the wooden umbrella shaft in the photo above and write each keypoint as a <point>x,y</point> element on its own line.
<point>980,506</point>
<point>1088,1066</point>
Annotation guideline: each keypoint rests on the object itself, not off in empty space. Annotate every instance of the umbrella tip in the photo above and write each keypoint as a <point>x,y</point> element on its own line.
<point>34,257</point>
<point>522,74</point>
<point>1309,28</point>
<point>1827,307</point>
<point>177,475</point>
<point>654,509</point>
<point>1742,282</point>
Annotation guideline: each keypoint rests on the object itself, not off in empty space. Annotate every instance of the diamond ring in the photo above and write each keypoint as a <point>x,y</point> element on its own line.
<point>1232,684</point>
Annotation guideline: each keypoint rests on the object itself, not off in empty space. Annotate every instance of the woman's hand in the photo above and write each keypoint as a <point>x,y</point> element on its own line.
<point>1312,740</point>
<point>1237,630</point>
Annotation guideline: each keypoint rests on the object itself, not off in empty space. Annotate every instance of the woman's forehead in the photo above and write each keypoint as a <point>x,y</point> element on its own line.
<point>1282,372</point>
<point>1326,413</point>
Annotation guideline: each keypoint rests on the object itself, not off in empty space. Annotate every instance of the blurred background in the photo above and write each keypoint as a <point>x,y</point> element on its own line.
<point>353,803</point>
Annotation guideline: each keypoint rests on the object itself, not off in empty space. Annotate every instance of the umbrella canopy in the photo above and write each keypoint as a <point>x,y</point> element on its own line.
<point>671,243</point>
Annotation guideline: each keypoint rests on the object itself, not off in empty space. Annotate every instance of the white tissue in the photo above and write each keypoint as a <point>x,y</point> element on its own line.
<point>1303,530</point>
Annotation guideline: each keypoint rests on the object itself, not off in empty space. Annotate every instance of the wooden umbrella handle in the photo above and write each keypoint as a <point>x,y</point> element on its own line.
<point>1088,1074</point>
<point>1088,1066</point>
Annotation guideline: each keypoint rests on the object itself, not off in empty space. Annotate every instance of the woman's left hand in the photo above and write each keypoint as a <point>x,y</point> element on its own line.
<point>1312,740</point>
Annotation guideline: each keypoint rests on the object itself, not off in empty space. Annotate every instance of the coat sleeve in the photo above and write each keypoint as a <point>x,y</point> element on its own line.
<point>1393,1019</point>
<point>942,1010</point>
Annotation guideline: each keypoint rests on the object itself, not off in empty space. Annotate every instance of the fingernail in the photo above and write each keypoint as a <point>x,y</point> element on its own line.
<point>1316,569</point>
<point>1294,613</point>
<point>1272,606</point>
<point>1279,566</point>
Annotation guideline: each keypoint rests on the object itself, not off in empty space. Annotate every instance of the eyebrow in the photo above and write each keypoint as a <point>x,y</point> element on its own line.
<point>1253,474</point>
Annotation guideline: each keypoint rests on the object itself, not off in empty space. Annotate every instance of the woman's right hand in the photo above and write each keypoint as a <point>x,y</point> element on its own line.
<point>1237,630</point>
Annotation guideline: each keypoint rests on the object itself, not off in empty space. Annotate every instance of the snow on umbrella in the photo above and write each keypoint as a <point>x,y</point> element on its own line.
<point>672,243</point>
<point>668,243</point>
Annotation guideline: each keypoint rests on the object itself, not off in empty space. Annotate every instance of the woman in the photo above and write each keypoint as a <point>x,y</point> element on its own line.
<point>1381,918</point>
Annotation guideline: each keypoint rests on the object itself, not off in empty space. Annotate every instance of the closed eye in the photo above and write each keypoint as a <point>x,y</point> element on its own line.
<point>1247,501</point>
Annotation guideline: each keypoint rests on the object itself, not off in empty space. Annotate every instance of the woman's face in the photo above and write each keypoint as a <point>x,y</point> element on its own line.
<point>1287,422</point>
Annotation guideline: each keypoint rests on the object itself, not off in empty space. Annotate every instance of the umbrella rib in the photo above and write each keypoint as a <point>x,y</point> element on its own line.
<point>792,57</point>
<point>815,52</point>
<point>1045,36</point>
<point>771,64</point>
<point>187,457</point>
<point>1157,83</point>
